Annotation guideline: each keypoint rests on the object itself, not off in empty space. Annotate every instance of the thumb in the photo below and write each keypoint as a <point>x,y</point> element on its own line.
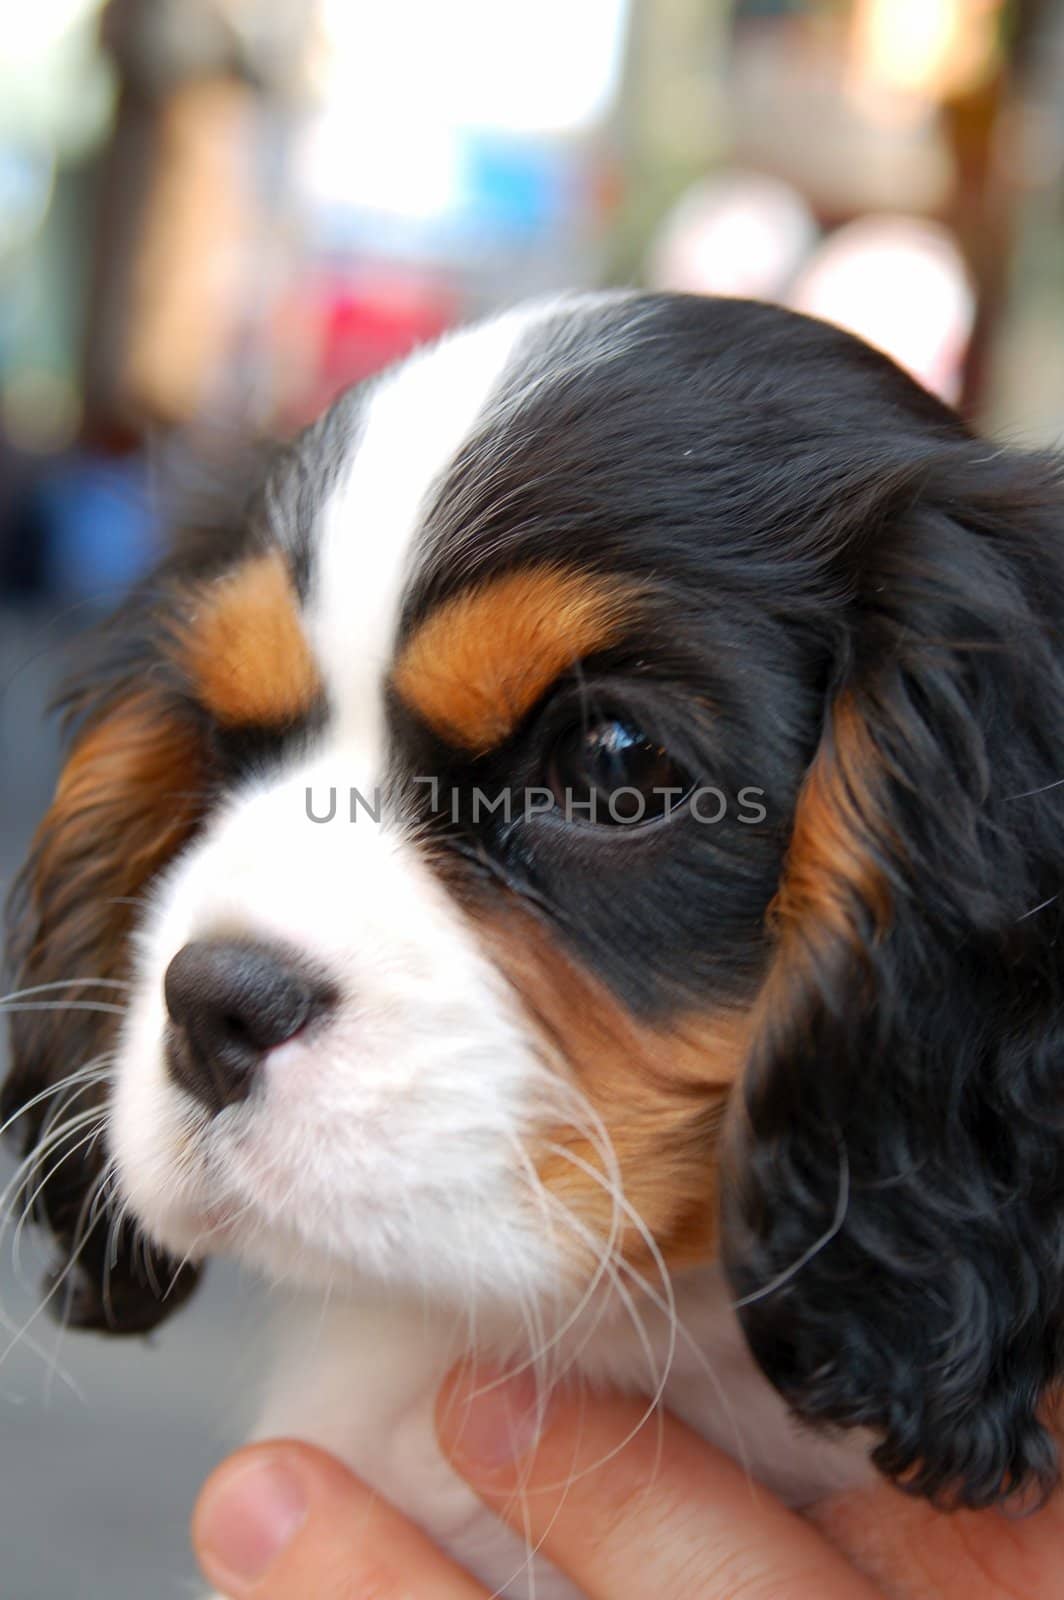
<point>281,1520</point>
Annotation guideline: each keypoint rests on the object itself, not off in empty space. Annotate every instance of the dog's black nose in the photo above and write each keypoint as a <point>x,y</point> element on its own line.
<point>230,1001</point>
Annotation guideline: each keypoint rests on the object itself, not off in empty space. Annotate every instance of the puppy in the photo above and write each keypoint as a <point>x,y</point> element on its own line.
<point>579,867</point>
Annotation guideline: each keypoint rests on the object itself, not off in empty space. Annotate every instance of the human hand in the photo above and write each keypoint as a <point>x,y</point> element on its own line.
<point>661,1514</point>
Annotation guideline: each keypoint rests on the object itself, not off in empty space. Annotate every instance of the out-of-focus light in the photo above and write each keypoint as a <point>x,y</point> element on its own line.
<point>404,73</point>
<point>405,90</point>
<point>738,234</point>
<point>30,30</point>
<point>57,88</point>
<point>40,411</point>
<point>408,169</point>
<point>927,48</point>
<point>532,66</point>
<point>902,285</point>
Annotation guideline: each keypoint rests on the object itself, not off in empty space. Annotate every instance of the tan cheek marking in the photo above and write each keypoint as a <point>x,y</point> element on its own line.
<point>661,1093</point>
<point>476,666</point>
<point>245,650</point>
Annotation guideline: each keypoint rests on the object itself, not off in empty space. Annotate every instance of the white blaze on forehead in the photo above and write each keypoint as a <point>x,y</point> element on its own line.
<point>415,422</point>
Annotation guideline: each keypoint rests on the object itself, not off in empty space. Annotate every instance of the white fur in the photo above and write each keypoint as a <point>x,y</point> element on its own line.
<point>380,1159</point>
<point>362,1382</point>
<point>415,422</point>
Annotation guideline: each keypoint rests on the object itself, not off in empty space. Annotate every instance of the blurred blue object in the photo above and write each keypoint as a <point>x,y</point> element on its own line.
<point>513,185</point>
<point>26,178</point>
<point>97,527</point>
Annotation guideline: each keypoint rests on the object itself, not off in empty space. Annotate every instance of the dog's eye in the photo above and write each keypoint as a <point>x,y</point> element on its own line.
<point>610,772</point>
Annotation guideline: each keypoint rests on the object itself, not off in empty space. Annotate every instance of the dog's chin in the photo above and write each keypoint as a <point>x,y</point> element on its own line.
<point>202,1187</point>
<point>395,1258</point>
<point>194,1219</point>
<point>237,1232</point>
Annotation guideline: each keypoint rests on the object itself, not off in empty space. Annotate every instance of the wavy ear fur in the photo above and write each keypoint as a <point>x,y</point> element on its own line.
<point>894,1205</point>
<point>125,803</point>
<point>130,795</point>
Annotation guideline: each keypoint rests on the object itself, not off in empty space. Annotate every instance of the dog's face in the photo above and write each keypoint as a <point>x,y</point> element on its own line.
<point>601,804</point>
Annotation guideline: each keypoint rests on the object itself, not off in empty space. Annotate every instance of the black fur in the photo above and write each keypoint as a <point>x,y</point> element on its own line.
<point>855,605</point>
<point>815,529</point>
<point>907,1081</point>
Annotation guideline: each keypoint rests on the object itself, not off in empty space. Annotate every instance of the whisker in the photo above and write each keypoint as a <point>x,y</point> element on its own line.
<point>703,1362</point>
<point>658,1384</point>
<point>103,1068</point>
<point>60,1280</point>
<point>1041,906</point>
<point>842,1205</point>
<point>644,1232</point>
<point>65,983</point>
<point>543,1199</point>
<point>96,1115</point>
<point>90,1074</point>
<point>103,1006</point>
<point>1029,794</point>
<point>24,1172</point>
<point>83,1228</point>
<point>609,1264</point>
<point>39,1160</point>
<point>654,1251</point>
<point>27,1340</point>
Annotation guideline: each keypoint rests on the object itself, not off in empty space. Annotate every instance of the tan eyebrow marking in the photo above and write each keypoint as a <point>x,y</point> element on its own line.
<point>245,650</point>
<point>480,662</point>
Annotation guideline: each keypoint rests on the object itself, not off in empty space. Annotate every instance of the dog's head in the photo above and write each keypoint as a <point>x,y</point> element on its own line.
<point>605,798</point>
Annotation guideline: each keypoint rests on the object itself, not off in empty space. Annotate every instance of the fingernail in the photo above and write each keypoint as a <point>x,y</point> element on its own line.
<point>249,1516</point>
<point>492,1420</point>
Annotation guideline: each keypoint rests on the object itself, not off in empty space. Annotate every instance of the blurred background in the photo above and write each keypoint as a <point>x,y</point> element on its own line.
<point>214,214</point>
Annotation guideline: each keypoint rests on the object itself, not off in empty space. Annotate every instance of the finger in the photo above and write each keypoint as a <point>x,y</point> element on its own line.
<point>631,1510</point>
<point>920,1553</point>
<point>281,1521</point>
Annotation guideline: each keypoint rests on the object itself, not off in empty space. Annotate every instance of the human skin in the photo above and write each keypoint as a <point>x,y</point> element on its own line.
<point>661,1514</point>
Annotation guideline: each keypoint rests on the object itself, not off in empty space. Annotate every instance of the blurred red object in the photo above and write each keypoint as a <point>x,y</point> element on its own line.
<point>340,326</point>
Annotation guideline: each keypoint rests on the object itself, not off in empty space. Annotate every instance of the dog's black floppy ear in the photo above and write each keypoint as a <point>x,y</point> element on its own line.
<point>127,799</point>
<point>894,1192</point>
